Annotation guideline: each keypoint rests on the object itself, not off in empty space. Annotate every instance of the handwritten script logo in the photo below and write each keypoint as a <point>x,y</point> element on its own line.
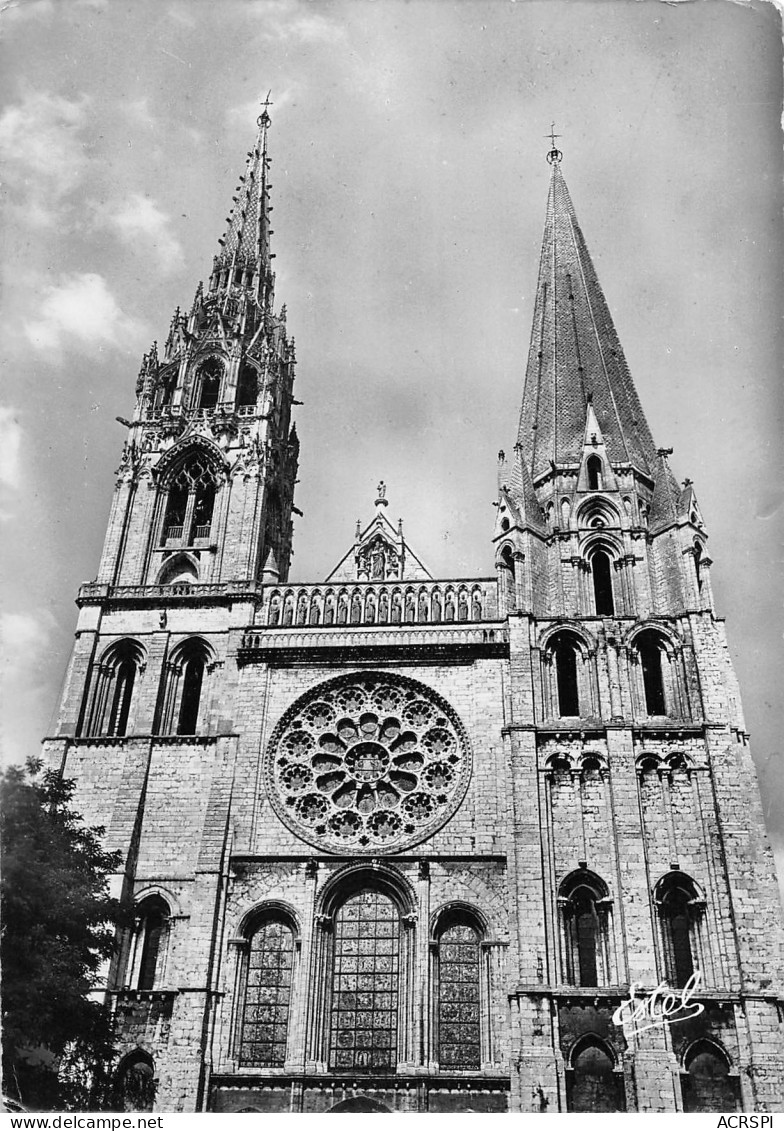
<point>663,1006</point>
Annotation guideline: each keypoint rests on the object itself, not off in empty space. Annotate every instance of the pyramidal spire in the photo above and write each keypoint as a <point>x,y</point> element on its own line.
<point>244,262</point>
<point>575,358</point>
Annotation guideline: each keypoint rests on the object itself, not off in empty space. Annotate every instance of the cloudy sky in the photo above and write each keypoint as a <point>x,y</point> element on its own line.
<point>409,191</point>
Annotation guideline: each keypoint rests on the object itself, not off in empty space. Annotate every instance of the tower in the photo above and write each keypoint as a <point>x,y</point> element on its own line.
<point>634,791</point>
<point>404,843</point>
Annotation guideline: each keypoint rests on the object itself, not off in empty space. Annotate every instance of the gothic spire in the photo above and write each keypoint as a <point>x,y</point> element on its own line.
<point>245,261</point>
<point>575,358</point>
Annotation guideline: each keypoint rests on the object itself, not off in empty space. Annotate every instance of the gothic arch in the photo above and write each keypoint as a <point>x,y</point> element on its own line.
<point>657,683</point>
<point>585,916</point>
<point>567,673</point>
<point>179,569</point>
<point>680,904</point>
<point>708,1082</point>
<point>185,681</point>
<point>134,1082</point>
<point>594,1082</point>
<point>114,685</point>
<point>170,461</point>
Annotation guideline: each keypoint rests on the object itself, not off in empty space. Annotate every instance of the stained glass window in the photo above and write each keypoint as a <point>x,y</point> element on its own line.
<point>363,1034</point>
<point>267,997</point>
<point>458,998</point>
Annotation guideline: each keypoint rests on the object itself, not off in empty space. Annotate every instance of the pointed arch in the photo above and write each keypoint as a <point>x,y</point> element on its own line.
<point>185,677</point>
<point>190,480</point>
<point>208,384</point>
<point>594,468</point>
<point>180,569</point>
<point>114,681</point>
<point>247,385</point>
<point>594,1082</point>
<point>707,1081</point>
<point>134,1083</point>
<point>681,906</point>
<point>584,904</point>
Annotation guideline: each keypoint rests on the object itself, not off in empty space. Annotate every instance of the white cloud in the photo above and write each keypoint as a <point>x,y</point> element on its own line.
<point>26,9</point>
<point>291,20</point>
<point>138,111</point>
<point>138,220</point>
<point>42,152</point>
<point>24,640</point>
<point>10,448</point>
<point>80,311</point>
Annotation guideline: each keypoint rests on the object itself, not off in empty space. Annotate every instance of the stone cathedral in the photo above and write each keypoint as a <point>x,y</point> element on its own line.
<point>400,843</point>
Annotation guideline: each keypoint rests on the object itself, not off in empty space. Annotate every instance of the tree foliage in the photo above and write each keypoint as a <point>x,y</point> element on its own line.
<point>58,927</point>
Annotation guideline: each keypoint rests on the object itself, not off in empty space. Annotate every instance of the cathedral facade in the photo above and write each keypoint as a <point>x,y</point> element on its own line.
<point>402,843</point>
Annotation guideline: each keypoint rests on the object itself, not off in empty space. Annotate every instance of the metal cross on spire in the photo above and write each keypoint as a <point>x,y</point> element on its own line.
<point>555,155</point>
<point>264,118</point>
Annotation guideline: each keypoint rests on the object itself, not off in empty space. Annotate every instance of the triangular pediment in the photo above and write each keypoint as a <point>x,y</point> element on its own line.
<point>380,553</point>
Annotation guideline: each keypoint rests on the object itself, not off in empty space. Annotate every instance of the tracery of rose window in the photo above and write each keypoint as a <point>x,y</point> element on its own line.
<point>368,763</point>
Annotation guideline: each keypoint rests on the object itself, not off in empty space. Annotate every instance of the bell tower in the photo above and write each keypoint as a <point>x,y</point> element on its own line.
<point>629,753</point>
<point>204,492</point>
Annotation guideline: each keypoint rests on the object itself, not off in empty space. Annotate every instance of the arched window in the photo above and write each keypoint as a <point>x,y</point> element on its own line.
<point>210,375</point>
<point>184,685</point>
<point>601,572</point>
<point>507,575</point>
<point>680,907</point>
<point>584,906</point>
<point>114,684</point>
<point>150,944</point>
<point>268,978</point>
<point>190,502</point>
<point>706,1082</point>
<point>650,649</point>
<point>248,386</point>
<point>593,466</point>
<point>592,1084</point>
<point>164,394</point>
<point>459,984</point>
<point>365,984</point>
<point>135,1084</point>
<point>565,655</point>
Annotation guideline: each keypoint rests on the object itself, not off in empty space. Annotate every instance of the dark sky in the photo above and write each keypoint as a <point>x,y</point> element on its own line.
<point>409,190</point>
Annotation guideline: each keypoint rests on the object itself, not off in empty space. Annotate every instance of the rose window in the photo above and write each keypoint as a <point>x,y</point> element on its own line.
<point>368,763</point>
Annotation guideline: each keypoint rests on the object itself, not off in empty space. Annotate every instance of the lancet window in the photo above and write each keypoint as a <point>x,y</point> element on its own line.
<point>365,984</point>
<point>459,992</point>
<point>150,944</point>
<point>601,574</point>
<point>592,1081</point>
<point>707,1083</point>
<point>584,906</point>
<point>680,907</point>
<point>209,384</point>
<point>267,979</point>
<point>115,679</point>
<point>190,502</point>
<point>248,386</point>
<point>183,688</point>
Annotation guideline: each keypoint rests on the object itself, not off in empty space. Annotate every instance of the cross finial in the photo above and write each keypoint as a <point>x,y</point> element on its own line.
<point>554,156</point>
<point>264,118</point>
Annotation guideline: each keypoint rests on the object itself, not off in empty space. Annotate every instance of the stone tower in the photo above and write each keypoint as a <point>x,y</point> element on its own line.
<point>398,843</point>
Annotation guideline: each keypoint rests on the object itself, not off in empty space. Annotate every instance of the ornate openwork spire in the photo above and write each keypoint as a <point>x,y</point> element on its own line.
<point>244,262</point>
